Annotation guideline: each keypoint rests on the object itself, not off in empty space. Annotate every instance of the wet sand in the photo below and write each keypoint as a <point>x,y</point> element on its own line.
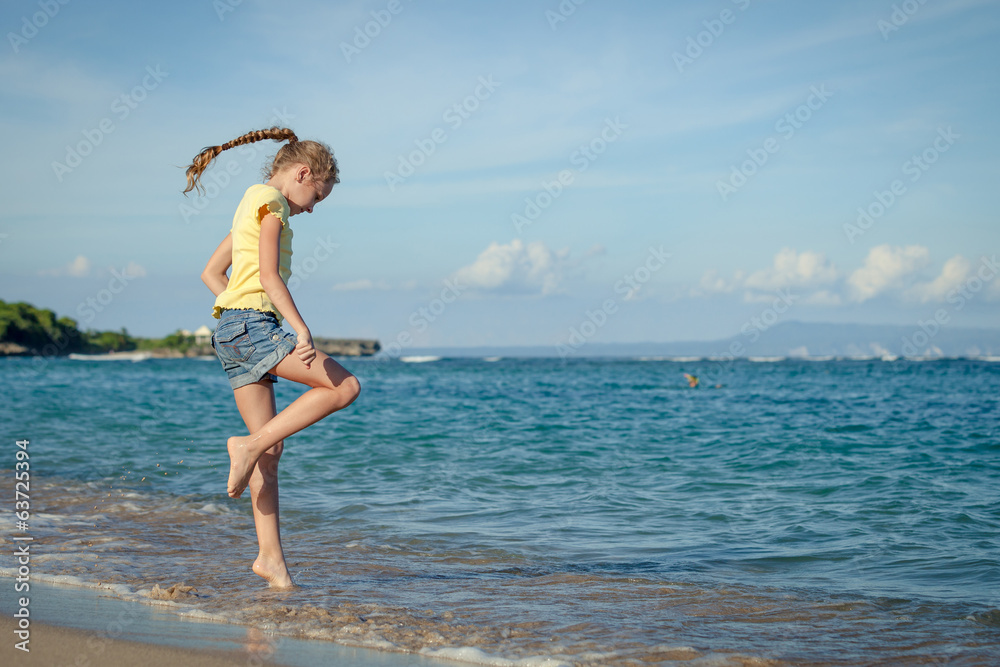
<point>86,626</point>
<point>53,645</point>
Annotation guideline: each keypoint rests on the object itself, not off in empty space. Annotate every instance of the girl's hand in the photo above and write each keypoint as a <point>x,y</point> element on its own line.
<point>304,348</point>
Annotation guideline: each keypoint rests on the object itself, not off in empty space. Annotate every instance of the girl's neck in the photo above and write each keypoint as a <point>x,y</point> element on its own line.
<point>280,182</point>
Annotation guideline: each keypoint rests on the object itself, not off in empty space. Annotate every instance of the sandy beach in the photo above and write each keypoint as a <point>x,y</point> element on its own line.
<point>84,626</point>
<point>53,645</point>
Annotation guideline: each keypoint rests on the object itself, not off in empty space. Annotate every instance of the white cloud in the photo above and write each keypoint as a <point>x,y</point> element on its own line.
<point>78,268</point>
<point>793,269</point>
<point>515,268</point>
<point>885,268</point>
<point>135,270</point>
<point>960,276</point>
<point>712,282</point>
<point>790,270</point>
<point>81,267</point>
<point>816,282</point>
<point>955,272</point>
<point>358,285</point>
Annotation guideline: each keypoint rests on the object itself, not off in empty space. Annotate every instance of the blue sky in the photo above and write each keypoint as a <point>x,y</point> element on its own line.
<point>510,171</point>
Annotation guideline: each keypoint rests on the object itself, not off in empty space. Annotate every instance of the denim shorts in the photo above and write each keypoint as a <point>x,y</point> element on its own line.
<point>249,343</point>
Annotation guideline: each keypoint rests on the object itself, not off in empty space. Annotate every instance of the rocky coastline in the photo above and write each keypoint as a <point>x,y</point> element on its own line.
<point>335,347</point>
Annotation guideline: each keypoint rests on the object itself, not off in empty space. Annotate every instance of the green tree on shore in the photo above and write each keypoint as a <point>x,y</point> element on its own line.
<point>35,328</point>
<point>42,332</point>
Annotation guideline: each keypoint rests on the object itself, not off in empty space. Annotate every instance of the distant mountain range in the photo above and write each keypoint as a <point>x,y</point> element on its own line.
<point>786,339</point>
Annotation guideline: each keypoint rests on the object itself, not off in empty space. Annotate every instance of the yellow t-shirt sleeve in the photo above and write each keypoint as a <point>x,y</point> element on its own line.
<point>269,203</point>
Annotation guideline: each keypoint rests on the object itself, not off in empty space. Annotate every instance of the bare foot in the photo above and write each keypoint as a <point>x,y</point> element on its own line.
<point>241,466</point>
<point>275,573</point>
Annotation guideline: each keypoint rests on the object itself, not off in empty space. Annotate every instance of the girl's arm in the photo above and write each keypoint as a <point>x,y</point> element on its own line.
<point>277,291</point>
<point>214,274</point>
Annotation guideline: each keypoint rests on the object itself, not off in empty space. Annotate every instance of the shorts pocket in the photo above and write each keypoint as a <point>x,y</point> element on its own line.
<point>233,341</point>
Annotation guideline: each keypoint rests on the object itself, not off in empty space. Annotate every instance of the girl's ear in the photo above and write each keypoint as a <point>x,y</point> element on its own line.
<point>303,174</point>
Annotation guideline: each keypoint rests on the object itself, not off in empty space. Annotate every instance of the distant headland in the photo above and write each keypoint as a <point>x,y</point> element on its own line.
<point>29,331</point>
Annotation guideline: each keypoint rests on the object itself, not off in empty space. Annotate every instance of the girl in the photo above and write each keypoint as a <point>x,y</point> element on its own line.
<point>250,305</point>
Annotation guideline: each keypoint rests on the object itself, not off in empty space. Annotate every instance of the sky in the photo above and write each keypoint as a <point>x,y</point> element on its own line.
<point>514,173</point>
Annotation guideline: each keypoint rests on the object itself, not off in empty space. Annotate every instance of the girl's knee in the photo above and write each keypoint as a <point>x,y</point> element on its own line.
<point>344,393</point>
<point>351,388</point>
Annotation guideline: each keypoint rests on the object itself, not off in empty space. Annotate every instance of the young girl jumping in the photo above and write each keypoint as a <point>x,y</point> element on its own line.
<point>250,305</point>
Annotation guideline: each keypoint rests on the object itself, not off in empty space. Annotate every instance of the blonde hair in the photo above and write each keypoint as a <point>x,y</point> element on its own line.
<point>315,155</point>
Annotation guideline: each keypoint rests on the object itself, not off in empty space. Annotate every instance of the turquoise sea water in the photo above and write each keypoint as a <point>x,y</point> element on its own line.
<point>591,511</point>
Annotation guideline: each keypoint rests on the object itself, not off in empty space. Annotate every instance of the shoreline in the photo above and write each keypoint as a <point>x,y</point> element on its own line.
<point>59,645</point>
<point>84,626</point>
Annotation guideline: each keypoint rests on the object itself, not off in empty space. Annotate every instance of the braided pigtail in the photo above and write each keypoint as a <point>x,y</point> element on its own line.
<point>205,158</point>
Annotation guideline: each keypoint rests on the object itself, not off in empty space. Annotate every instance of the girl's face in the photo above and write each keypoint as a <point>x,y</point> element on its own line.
<point>304,192</point>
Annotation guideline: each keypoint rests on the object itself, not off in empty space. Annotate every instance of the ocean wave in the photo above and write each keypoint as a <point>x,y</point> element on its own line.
<point>475,656</point>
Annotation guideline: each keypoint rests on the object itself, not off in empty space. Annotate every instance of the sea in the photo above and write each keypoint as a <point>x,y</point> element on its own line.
<point>541,512</point>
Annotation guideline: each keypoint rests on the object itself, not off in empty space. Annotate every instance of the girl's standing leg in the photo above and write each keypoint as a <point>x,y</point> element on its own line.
<point>257,407</point>
<point>333,388</point>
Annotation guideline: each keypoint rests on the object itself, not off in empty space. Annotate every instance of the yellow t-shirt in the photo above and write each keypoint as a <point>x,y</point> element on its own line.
<point>244,289</point>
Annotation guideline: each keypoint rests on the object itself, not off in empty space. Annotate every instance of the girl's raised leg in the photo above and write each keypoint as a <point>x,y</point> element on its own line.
<point>256,405</point>
<point>333,388</point>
